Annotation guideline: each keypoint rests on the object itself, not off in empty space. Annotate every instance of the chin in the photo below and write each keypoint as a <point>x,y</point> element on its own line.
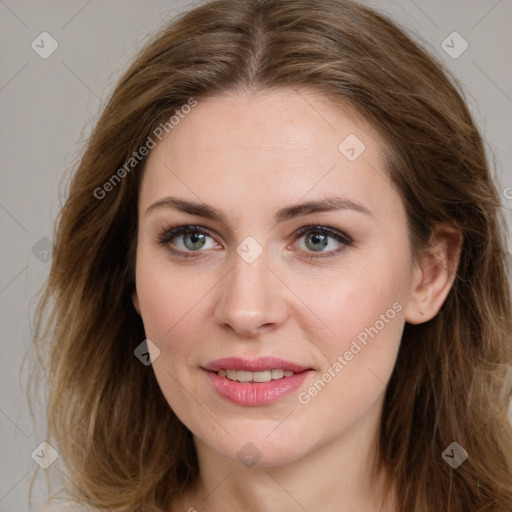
<point>261,450</point>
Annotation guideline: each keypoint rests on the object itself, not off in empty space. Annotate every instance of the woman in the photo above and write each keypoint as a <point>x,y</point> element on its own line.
<point>279,280</point>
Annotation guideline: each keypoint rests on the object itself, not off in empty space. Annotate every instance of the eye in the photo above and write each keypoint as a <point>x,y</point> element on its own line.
<point>322,240</point>
<point>186,239</point>
<point>315,241</point>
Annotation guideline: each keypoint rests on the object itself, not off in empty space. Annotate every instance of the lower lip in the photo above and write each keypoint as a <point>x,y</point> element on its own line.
<point>256,393</point>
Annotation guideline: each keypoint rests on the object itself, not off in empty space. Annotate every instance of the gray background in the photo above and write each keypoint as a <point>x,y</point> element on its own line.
<point>48,107</point>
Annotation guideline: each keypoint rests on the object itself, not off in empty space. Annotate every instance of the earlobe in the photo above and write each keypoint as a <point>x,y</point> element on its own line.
<point>135,300</point>
<point>434,275</point>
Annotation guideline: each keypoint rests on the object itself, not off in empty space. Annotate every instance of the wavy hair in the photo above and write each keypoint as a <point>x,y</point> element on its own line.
<point>123,447</point>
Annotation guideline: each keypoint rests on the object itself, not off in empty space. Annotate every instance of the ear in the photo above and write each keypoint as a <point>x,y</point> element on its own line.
<point>135,300</point>
<point>433,275</point>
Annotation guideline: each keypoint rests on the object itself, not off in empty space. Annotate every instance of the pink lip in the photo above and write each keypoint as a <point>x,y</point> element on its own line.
<point>255,393</point>
<point>253,365</point>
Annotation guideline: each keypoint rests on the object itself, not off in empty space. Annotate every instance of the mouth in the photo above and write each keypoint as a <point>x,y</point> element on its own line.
<point>255,366</point>
<point>255,382</point>
<point>261,376</point>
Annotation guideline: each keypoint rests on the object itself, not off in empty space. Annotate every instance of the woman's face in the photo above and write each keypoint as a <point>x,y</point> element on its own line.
<point>294,258</point>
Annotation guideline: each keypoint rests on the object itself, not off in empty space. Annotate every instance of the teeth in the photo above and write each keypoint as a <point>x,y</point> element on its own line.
<point>243,376</point>
<point>261,376</point>
<point>277,374</point>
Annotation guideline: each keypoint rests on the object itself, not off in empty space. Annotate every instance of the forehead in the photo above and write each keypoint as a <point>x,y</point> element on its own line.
<point>283,145</point>
<point>300,120</point>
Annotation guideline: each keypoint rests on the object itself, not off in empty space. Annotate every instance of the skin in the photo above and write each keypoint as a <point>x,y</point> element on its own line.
<point>248,155</point>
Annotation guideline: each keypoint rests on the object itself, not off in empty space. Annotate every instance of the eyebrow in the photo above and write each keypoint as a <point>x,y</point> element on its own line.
<point>327,204</point>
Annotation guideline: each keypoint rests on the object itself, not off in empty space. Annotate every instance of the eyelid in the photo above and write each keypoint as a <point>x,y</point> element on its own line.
<point>335,233</point>
<point>169,232</point>
<point>341,237</point>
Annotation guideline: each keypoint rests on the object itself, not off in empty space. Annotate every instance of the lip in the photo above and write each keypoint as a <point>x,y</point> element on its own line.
<point>253,365</point>
<point>253,394</point>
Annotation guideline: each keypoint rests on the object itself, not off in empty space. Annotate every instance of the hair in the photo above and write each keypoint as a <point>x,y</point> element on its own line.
<point>123,447</point>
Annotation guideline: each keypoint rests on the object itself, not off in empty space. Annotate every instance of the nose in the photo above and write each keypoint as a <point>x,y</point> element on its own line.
<point>251,298</point>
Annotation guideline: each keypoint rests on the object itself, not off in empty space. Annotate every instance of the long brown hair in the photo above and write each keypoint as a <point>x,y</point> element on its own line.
<point>123,446</point>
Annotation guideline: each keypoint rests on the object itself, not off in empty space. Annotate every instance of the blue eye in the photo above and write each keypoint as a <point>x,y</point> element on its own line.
<point>318,238</point>
<point>187,239</point>
<point>317,241</point>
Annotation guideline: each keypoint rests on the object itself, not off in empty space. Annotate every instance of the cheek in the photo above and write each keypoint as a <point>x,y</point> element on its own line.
<point>367,318</point>
<point>363,311</point>
<point>357,298</point>
<point>168,299</point>
<point>172,305</point>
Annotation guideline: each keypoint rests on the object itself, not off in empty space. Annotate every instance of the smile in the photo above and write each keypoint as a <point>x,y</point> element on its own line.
<point>255,382</point>
<point>261,376</point>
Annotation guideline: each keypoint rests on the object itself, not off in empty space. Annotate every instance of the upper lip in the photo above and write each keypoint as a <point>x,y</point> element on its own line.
<point>254,365</point>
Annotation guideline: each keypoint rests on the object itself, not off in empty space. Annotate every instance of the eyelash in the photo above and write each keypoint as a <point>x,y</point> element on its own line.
<point>169,232</point>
